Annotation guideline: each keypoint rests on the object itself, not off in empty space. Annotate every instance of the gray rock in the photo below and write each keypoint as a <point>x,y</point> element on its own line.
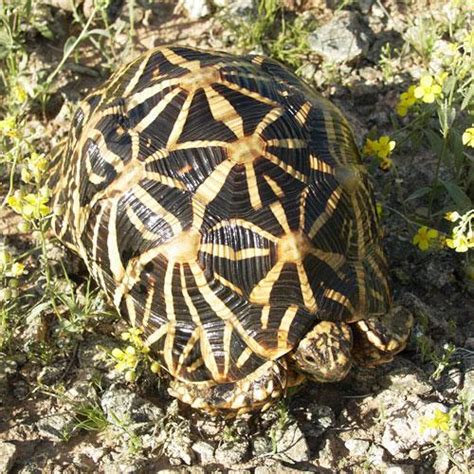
<point>7,456</point>
<point>400,469</point>
<point>196,9</point>
<point>315,419</point>
<point>82,391</point>
<point>52,374</point>
<point>442,462</point>
<point>261,445</point>
<point>205,451</point>
<point>342,40</point>
<point>230,454</point>
<point>127,406</point>
<point>357,447</point>
<point>402,430</point>
<point>407,380</point>
<point>291,445</point>
<point>280,469</point>
<point>58,427</point>
<point>376,456</point>
<point>238,8</point>
<point>178,447</point>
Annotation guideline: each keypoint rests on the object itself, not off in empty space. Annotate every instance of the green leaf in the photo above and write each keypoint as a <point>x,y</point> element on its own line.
<point>460,198</point>
<point>69,45</point>
<point>468,97</point>
<point>419,193</point>
<point>436,140</point>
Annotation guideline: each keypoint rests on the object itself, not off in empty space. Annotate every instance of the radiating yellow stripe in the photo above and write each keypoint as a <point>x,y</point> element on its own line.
<point>223,111</point>
<point>331,205</point>
<point>158,334</point>
<point>260,294</point>
<point>286,167</point>
<point>213,184</point>
<point>254,194</point>
<point>227,252</point>
<point>277,190</point>
<point>306,290</point>
<point>153,114</point>
<point>290,143</point>
<point>285,325</point>
<point>264,316</point>
<point>280,215</point>
<point>180,121</point>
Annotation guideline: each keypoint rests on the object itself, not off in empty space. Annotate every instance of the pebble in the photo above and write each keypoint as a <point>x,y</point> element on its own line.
<point>125,405</point>
<point>230,454</point>
<point>58,427</point>
<point>7,456</point>
<point>205,451</point>
<point>196,9</point>
<point>344,39</point>
<point>291,445</point>
<point>357,447</point>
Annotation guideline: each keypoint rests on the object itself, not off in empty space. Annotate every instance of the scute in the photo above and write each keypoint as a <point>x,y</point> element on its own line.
<point>222,206</point>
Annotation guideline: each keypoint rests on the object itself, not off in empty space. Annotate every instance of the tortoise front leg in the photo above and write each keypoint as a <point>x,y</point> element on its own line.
<point>378,339</point>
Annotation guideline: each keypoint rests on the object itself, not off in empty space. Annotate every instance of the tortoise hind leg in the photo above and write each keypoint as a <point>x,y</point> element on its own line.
<point>258,391</point>
<point>378,339</point>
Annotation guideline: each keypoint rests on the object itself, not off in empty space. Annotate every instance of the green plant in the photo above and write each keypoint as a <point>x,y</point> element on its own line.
<point>270,31</point>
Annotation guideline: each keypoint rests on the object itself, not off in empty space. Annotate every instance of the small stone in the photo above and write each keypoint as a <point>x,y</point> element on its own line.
<point>230,454</point>
<point>357,447</point>
<point>469,344</point>
<point>407,379</point>
<point>280,469</point>
<point>59,427</point>
<point>314,419</point>
<point>196,9</point>
<point>442,462</point>
<point>205,451</point>
<point>376,456</point>
<point>291,445</point>
<point>261,445</point>
<point>7,456</point>
<point>414,454</point>
<point>342,40</point>
<point>52,374</point>
<point>399,469</point>
<point>127,406</point>
<point>82,392</point>
<point>178,447</point>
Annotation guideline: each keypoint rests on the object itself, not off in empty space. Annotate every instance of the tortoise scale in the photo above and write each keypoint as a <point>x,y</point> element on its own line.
<point>222,206</point>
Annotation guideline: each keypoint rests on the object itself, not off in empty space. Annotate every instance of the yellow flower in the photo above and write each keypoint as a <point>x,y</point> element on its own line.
<point>424,236</point>
<point>15,201</point>
<point>34,206</point>
<point>125,360</point>
<point>460,243</point>
<point>427,90</point>
<point>406,101</point>
<point>439,421</point>
<point>380,148</point>
<point>452,216</point>
<point>31,206</point>
<point>468,40</point>
<point>19,94</point>
<point>468,137</point>
<point>16,270</point>
<point>8,127</point>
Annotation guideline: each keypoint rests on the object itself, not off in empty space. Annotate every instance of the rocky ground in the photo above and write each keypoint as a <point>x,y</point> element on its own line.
<point>70,412</point>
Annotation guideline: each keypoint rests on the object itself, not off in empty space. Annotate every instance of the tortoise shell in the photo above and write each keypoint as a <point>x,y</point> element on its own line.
<point>222,206</point>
